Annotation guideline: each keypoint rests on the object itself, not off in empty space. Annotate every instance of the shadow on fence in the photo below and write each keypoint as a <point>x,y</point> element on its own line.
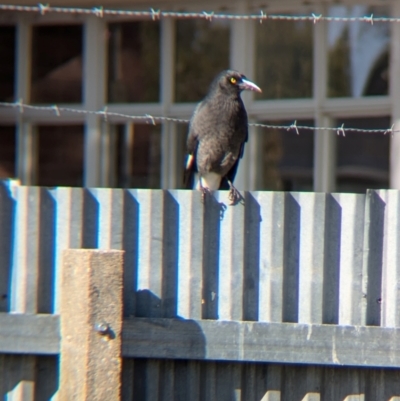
<point>263,301</point>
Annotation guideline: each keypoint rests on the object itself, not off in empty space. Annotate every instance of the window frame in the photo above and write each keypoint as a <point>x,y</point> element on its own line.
<point>322,109</point>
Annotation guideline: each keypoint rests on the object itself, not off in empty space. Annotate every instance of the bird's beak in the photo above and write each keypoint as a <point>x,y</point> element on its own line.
<point>248,85</point>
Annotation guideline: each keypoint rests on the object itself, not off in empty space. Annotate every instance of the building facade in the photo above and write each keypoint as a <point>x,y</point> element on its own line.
<point>313,73</point>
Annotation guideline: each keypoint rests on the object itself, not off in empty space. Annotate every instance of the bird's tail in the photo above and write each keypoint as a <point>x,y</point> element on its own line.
<point>188,176</point>
<point>188,179</point>
<point>224,184</point>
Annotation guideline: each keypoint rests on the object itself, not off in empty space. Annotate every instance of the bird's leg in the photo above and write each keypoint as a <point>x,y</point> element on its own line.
<point>234,195</point>
<point>204,191</point>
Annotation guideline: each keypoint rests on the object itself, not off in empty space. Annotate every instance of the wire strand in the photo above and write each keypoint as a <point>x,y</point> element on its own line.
<point>158,14</point>
<point>150,119</point>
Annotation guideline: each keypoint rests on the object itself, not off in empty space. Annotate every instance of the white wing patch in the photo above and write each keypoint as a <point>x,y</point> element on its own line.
<point>189,162</point>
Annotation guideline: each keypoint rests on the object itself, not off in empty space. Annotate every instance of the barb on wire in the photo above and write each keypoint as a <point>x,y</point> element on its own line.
<point>209,15</point>
<point>43,8</point>
<point>390,130</point>
<point>294,126</point>
<point>370,19</point>
<point>340,130</point>
<point>155,15</point>
<point>153,121</point>
<point>99,11</point>
<point>263,16</point>
<point>316,18</point>
<point>148,118</point>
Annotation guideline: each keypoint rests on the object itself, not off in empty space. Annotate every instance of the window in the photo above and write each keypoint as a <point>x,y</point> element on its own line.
<point>315,73</point>
<point>288,157</point>
<point>363,158</point>
<point>138,156</point>
<point>7,65</point>
<point>358,53</point>
<point>7,152</point>
<point>56,64</point>
<point>284,59</point>
<point>202,51</point>
<point>134,62</point>
<point>60,155</point>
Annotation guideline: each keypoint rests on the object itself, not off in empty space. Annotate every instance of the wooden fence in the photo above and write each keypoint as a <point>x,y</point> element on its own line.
<point>291,296</point>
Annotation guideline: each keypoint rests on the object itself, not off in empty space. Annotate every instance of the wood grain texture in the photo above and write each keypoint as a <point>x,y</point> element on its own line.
<point>29,334</point>
<point>261,342</point>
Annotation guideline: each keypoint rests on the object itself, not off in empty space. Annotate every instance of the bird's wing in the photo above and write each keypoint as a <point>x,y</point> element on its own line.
<point>191,148</point>
<point>190,168</point>
<point>232,172</point>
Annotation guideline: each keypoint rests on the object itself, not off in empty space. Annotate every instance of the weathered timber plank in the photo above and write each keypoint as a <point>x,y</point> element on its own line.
<point>261,342</point>
<point>220,340</point>
<point>29,334</point>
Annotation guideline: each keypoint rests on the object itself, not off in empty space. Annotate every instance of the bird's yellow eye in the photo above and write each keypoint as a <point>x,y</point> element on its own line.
<point>233,80</point>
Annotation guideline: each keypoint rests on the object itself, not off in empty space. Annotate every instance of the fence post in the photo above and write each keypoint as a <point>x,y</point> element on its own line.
<point>91,325</point>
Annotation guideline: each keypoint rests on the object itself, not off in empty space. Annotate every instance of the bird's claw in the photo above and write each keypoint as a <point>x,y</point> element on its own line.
<point>204,192</point>
<point>234,196</point>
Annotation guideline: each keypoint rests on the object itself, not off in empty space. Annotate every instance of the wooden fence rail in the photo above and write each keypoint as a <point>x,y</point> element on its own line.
<point>290,296</point>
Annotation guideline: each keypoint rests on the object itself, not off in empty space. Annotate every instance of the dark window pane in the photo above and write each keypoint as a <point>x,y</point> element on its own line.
<point>288,158</point>
<point>57,64</point>
<point>202,51</point>
<point>139,156</point>
<point>358,53</point>
<point>7,65</point>
<point>134,62</point>
<point>284,59</point>
<point>7,152</point>
<point>363,159</point>
<point>60,155</point>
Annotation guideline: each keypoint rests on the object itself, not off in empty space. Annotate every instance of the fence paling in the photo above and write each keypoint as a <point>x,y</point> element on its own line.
<point>325,260</point>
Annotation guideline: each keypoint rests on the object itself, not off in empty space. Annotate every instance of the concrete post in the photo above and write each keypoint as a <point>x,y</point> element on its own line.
<point>91,325</point>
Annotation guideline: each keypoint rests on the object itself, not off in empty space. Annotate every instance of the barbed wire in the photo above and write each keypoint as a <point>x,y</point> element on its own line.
<point>154,120</point>
<point>209,15</point>
<point>104,113</point>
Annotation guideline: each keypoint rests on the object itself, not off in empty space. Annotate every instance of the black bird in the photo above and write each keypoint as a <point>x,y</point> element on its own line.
<point>218,131</point>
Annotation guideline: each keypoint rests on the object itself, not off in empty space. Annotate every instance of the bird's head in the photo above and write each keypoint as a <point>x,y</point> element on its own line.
<point>234,82</point>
